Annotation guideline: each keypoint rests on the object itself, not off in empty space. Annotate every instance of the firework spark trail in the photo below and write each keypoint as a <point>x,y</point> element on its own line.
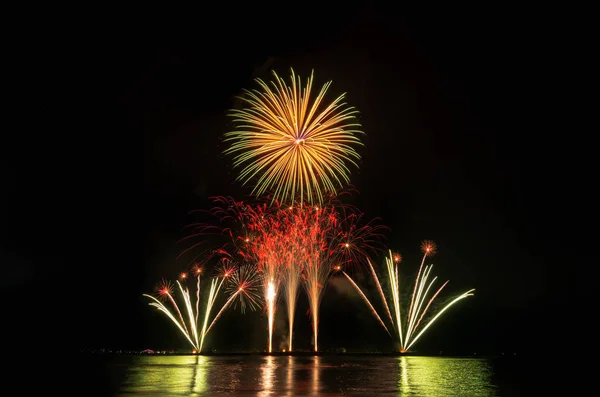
<point>215,287</point>
<point>212,295</point>
<point>198,271</point>
<point>316,277</point>
<point>225,306</point>
<point>395,288</point>
<point>163,309</point>
<point>381,294</point>
<point>362,295</point>
<point>190,310</point>
<point>415,288</point>
<point>270,297</point>
<point>197,298</point>
<point>269,265</point>
<point>460,297</point>
<point>317,262</point>
<point>291,284</point>
<point>291,267</point>
<point>198,230</point>
<point>168,294</point>
<point>295,147</point>
<point>428,248</point>
<point>429,303</point>
<point>418,301</point>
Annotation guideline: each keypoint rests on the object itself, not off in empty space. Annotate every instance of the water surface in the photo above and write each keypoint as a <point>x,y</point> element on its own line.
<point>344,375</point>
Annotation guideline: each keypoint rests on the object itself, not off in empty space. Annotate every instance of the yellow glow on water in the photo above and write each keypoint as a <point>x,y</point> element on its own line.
<point>404,385</point>
<point>290,376</point>
<point>167,375</point>
<point>199,383</point>
<point>196,375</point>
<point>316,383</point>
<point>268,380</point>
<point>444,376</point>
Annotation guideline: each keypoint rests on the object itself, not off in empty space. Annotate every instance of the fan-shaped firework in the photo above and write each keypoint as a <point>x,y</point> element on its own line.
<point>293,145</point>
<point>240,284</point>
<point>408,332</point>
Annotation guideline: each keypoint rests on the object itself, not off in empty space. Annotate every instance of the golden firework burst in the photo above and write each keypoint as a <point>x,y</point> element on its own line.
<point>294,147</point>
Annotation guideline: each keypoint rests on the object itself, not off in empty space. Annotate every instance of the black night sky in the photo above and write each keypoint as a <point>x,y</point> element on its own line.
<point>454,152</point>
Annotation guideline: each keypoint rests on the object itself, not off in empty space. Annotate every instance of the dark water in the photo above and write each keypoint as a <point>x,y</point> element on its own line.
<point>302,376</point>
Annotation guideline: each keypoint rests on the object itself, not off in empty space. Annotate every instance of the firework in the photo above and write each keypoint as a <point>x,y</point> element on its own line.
<point>293,247</point>
<point>413,327</point>
<point>252,235</point>
<point>268,248</point>
<point>291,278</point>
<point>245,283</point>
<point>336,238</point>
<point>327,238</point>
<point>241,284</point>
<point>363,296</point>
<point>292,144</point>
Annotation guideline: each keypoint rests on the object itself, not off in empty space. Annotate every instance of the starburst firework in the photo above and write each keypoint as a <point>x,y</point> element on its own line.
<point>293,145</point>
